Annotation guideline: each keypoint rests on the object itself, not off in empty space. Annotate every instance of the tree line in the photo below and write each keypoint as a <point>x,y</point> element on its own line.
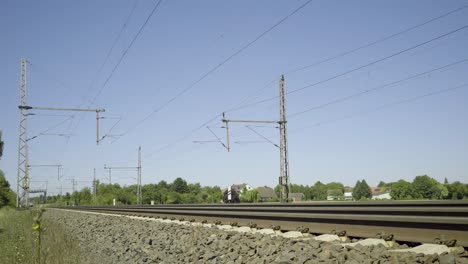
<point>181,192</point>
<point>177,192</point>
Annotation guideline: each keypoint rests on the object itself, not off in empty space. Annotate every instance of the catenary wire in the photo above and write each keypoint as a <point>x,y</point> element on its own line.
<point>119,35</point>
<point>352,70</point>
<point>377,41</point>
<point>213,69</point>
<point>354,95</point>
<point>125,52</point>
<point>353,50</point>
<point>302,88</point>
<point>382,107</point>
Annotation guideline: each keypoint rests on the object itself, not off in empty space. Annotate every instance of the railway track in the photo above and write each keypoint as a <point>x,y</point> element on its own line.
<point>444,222</point>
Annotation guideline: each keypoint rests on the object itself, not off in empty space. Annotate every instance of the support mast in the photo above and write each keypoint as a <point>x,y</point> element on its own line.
<point>22,181</point>
<point>284,163</point>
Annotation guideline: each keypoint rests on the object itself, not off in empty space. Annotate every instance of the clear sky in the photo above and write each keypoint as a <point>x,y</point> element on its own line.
<point>372,136</point>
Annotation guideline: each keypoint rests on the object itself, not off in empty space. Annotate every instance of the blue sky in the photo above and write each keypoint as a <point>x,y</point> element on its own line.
<point>366,137</point>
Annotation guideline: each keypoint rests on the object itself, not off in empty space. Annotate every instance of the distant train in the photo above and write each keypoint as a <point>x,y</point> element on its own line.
<point>230,195</point>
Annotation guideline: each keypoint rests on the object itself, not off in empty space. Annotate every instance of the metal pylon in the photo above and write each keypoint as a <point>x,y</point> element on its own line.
<point>22,183</point>
<point>284,162</point>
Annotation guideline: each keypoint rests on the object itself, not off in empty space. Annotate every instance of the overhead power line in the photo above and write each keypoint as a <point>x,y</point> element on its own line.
<point>184,136</point>
<point>354,95</point>
<point>315,64</point>
<point>378,41</point>
<point>125,52</point>
<point>219,65</point>
<point>353,50</point>
<point>382,107</point>
<point>52,127</point>
<point>112,48</point>
<point>354,69</point>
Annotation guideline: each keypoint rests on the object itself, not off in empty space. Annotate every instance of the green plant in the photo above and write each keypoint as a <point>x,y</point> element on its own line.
<point>36,225</point>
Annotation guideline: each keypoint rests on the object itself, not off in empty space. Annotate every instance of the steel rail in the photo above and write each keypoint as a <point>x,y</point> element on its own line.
<point>413,221</point>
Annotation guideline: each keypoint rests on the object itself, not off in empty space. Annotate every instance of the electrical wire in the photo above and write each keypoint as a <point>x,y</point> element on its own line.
<point>350,51</point>
<point>353,70</point>
<point>262,136</point>
<point>183,137</point>
<point>107,134</point>
<point>52,127</point>
<point>216,136</point>
<point>213,69</point>
<point>408,100</point>
<point>125,52</point>
<point>116,40</point>
<point>354,95</point>
<point>378,41</point>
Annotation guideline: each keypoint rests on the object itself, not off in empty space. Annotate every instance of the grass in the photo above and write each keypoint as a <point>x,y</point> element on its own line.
<point>25,237</point>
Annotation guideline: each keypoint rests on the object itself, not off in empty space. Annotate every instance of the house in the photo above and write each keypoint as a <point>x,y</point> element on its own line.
<point>240,187</point>
<point>348,195</point>
<point>382,196</point>
<point>380,193</point>
<point>345,196</point>
<point>296,197</point>
<point>266,193</point>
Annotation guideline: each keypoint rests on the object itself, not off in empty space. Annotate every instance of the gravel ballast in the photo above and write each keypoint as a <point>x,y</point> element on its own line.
<point>118,239</point>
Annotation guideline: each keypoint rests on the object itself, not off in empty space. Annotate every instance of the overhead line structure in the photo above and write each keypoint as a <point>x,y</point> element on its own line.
<point>219,65</point>
<point>353,50</point>
<point>235,108</point>
<point>126,51</point>
<point>94,185</point>
<point>353,70</point>
<point>379,40</point>
<point>27,107</point>
<point>351,96</point>
<point>112,46</point>
<point>284,160</point>
<point>404,101</point>
<point>23,178</point>
<point>138,168</point>
<point>48,166</point>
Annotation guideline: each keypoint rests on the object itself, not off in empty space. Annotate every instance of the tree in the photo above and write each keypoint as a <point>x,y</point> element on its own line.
<point>1,145</point>
<point>361,190</point>
<point>194,188</point>
<point>251,196</point>
<point>319,191</point>
<point>335,189</point>
<point>426,187</point>
<point>180,186</point>
<point>457,191</point>
<point>174,198</point>
<point>6,195</point>
<point>402,190</point>
<point>381,184</point>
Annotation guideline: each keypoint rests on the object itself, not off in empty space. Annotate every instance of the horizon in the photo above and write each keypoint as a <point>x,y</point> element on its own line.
<point>168,78</point>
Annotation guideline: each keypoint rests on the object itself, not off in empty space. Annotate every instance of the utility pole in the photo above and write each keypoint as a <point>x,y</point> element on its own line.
<point>22,189</point>
<point>138,168</point>
<point>109,169</point>
<point>73,185</point>
<point>22,180</point>
<point>94,185</point>
<point>44,166</point>
<point>139,194</point>
<point>284,162</point>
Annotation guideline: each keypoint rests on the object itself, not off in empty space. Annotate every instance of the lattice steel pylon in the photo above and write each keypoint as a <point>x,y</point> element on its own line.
<point>22,182</point>
<point>284,161</point>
